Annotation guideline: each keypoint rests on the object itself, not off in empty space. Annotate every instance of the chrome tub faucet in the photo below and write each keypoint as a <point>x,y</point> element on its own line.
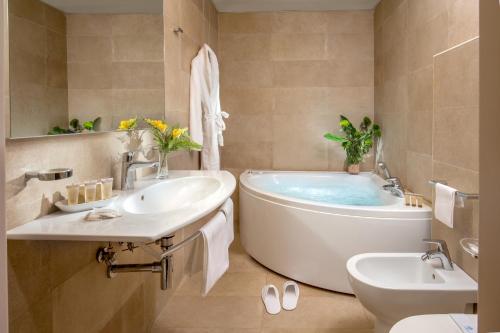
<point>395,186</point>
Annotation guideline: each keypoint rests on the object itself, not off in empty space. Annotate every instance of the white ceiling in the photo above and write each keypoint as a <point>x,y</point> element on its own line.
<point>108,6</point>
<point>278,5</point>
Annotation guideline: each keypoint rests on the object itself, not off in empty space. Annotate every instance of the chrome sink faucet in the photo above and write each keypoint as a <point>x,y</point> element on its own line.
<point>129,165</point>
<point>440,253</point>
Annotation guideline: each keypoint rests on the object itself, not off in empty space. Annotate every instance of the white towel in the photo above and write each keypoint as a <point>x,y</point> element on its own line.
<point>99,214</point>
<point>445,204</point>
<point>228,210</point>
<point>216,248</point>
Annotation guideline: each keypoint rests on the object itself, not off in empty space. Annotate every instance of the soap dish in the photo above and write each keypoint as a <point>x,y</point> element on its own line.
<point>63,205</point>
<point>471,246</point>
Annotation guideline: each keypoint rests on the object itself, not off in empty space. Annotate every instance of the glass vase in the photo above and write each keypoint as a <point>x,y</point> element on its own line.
<point>162,165</point>
<point>134,142</point>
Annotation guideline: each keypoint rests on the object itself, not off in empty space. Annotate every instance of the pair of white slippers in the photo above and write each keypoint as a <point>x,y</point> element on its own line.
<point>271,297</point>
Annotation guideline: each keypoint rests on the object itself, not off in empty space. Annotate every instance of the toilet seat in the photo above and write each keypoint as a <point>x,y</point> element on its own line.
<point>436,323</point>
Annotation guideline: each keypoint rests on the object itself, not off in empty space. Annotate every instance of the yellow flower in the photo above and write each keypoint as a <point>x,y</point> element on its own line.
<point>128,124</point>
<point>158,124</point>
<point>177,132</point>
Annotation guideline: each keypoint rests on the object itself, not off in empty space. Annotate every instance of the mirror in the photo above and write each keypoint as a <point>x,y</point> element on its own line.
<point>81,66</point>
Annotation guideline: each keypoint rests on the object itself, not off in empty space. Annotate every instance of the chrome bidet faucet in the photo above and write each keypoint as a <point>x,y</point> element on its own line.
<point>440,253</point>
<point>128,165</point>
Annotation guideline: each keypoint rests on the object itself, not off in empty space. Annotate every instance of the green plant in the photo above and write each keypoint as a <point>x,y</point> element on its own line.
<point>356,143</point>
<point>92,125</point>
<point>76,127</point>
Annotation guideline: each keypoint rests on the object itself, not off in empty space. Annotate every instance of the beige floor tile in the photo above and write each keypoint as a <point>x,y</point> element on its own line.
<point>316,330</point>
<point>231,284</point>
<point>234,305</point>
<point>370,316</point>
<point>341,311</point>
<point>205,330</point>
<point>305,290</point>
<point>240,261</point>
<point>211,312</point>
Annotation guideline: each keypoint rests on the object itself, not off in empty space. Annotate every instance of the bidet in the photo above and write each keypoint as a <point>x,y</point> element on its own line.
<point>394,286</point>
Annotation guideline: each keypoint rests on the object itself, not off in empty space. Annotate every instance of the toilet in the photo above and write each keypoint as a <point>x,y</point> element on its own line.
<point>394,286</point>
<point>437,323</point>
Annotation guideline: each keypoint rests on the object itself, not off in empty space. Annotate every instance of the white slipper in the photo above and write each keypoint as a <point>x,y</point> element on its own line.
<point>290,295</point>
<point>271,299</point>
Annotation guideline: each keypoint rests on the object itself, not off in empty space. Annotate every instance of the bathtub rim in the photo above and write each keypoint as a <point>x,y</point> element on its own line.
<point>396,210</point>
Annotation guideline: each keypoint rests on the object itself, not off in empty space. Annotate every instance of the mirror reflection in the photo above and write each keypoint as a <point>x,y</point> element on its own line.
<point>79,66</point>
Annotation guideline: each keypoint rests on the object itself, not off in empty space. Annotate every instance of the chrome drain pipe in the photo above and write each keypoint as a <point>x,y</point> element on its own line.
<point>164,266</point>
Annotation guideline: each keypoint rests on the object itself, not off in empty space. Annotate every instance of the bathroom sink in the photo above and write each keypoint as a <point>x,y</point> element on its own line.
<point>154,209</point>
<point>171,195</point>
<point>394,286</point>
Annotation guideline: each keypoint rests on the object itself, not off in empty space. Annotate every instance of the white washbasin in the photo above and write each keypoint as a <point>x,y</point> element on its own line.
<point>171,195</point>
<point>169,205</point>
<point>394,286</point>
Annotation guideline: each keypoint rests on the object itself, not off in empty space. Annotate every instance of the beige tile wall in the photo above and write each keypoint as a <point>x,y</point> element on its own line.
<point>115,67</point>
<point>58,286</point>
<point>427,101</point>
<point>285,79</point>
<point>198,19</point>
<point>38,79</point>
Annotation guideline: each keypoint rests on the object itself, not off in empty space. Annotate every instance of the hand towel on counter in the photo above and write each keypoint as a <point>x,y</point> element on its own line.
<point>445,204</point>
<point>228,209</point>
<point>216,247</point>
<point>99,214</point>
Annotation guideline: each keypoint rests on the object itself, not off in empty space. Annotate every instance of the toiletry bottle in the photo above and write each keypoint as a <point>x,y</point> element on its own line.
<point>90,191</point>
<point>107,188</point>
<point>81,193</point>
<point>98,192</point>
<point>72,194</point>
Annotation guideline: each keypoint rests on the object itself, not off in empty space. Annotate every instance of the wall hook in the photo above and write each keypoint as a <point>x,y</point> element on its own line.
<point>178,30</point>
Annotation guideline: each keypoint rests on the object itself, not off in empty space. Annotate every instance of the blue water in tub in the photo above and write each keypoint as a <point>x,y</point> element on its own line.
<point>342,189</point>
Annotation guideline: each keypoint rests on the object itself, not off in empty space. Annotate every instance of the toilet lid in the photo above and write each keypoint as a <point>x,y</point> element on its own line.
<point>439,323</point>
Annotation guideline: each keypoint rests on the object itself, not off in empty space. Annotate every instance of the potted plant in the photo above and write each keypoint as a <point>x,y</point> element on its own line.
<point>169,139</point>
<point>356,143</point>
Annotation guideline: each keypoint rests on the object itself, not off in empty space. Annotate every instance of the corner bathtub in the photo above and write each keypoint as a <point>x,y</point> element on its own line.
<point>306,225</point>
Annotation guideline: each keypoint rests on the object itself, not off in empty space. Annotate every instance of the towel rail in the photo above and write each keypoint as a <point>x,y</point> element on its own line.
<point>191,238</point>
<point>164,265</point>
<point>177,246</point>
<point>461,195</point>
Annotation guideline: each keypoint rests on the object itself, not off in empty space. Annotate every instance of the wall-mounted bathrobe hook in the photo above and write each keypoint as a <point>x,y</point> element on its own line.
<point>178,30</point>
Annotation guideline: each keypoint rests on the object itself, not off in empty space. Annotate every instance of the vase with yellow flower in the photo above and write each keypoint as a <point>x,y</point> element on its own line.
<point>133,139</point>
<point>169,139</point>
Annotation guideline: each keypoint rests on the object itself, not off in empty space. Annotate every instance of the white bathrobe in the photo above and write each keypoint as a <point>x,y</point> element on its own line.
<point>206,116</point>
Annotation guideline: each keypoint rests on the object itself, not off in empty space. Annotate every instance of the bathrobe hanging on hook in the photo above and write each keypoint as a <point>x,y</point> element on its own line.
<point>206,117</point>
